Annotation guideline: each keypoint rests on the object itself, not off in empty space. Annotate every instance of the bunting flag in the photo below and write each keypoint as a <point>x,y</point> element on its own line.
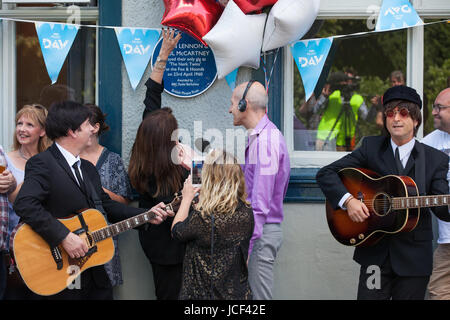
<point>396,14</point>
<point>136,46</point>
<point>313,57</point>
<point>55,39</point>
<point>231,78</point>
<point>310,57</point>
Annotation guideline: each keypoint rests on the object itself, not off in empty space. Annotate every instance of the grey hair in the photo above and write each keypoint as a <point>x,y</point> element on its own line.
<point>257,99</point>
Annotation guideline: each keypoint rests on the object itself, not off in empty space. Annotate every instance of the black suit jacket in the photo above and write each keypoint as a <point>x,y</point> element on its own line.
<point>50,191</point>
<point>410,252</point>
<point>156,240</point>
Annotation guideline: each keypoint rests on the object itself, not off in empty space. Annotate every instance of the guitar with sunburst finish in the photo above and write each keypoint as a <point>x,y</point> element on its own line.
<point>393,203</point>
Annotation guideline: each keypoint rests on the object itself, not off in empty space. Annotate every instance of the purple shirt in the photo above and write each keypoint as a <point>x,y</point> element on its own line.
<point>267,170</point>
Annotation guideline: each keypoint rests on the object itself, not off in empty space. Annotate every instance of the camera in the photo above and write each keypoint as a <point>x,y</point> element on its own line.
<point>345,83</point>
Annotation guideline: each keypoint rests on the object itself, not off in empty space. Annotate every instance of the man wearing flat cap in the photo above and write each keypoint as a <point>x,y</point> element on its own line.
<point>399,265</point>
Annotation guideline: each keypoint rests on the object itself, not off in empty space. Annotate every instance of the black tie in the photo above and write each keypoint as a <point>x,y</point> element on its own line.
<point>78,175</point>
<point>398,163</point>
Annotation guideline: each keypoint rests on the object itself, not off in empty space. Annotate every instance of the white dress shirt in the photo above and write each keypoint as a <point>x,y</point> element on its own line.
<point>71,159</point>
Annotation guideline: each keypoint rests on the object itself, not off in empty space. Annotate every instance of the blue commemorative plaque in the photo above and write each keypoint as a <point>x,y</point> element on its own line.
<point>190,70</point>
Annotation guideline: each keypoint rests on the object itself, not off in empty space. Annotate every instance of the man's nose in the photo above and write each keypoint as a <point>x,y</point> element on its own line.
<point>434,112</point>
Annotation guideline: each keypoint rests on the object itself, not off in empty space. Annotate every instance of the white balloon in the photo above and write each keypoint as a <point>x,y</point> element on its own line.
<point>236,39</point>
<point>288,21</point>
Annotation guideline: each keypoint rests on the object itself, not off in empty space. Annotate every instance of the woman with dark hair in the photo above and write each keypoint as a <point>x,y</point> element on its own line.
<point>155,172</point>
<point>156,177</point>
<point>113,177</point>
<point>109,164</point>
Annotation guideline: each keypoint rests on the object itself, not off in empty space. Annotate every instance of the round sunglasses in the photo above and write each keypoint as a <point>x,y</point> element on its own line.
<point>390,113</point>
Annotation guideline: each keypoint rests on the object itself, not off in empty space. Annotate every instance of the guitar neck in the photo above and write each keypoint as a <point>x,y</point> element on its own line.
<point>420,201</point>
<point>122,226</point>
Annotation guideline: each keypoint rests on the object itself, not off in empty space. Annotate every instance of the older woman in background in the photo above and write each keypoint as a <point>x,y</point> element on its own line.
<point>29,140</point>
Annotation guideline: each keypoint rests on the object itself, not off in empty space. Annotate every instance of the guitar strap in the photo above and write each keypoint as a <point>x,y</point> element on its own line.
<point>94,196</point>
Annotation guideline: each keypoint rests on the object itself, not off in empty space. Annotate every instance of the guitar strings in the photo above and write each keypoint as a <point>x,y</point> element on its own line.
<point>371,203</point>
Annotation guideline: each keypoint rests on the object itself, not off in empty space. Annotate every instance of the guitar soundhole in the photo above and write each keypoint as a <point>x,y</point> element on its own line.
<point>381,204</point>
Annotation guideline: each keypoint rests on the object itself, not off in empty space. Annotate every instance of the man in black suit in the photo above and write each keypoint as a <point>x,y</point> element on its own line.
<point>404,259</point>
<point>59,184</point>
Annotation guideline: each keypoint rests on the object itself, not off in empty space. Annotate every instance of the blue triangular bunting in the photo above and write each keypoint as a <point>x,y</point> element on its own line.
<point>310,57</point>
<point>55,39</point>
<point>396,14</point>
<point>231,78</point>
<point>136,46</point>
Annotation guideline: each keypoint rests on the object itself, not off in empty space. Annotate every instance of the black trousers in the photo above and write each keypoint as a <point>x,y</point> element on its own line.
<point>3,275</point>
<point>167,279</point>
<point>382,283</point>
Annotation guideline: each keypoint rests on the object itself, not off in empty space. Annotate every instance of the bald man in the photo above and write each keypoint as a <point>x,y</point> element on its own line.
<point>266,170</point>
<point>439,285</point>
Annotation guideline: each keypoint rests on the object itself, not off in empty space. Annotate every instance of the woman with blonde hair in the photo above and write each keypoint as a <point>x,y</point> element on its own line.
<point>217,231</point>
<point>29,140</point>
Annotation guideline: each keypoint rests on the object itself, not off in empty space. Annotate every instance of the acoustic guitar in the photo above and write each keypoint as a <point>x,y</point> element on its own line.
<point>47,271</point>
<point>393,203</point>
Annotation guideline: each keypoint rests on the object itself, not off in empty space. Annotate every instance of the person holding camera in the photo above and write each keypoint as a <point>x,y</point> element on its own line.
<point>396,78</point>
<point>338,122</point>
<point>217,231</point>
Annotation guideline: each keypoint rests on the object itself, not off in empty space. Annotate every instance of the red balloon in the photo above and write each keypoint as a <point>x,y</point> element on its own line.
<point>195,17</point>
<point>248,6</point>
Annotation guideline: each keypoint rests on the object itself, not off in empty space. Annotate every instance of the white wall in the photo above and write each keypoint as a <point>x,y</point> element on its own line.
<point>311,264</point>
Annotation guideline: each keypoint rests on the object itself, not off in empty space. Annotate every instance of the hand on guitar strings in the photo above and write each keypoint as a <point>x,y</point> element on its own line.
<point>74,246</point>
<point>161,213</point>
<point>357,210</point>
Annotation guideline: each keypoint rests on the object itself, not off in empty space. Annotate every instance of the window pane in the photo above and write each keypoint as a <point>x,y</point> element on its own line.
<point>76,80</point>
<point>349,106</point>
<point>436,68</point>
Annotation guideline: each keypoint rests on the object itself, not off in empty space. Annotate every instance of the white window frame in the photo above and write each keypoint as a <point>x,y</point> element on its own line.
<point>358,9</point>
<point>8,57</point>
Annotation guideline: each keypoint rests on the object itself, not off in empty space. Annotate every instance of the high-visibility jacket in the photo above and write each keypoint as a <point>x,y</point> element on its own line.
<point>331,114</point>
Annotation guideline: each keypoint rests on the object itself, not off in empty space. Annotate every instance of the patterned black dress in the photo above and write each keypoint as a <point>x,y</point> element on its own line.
<point>223,276</point>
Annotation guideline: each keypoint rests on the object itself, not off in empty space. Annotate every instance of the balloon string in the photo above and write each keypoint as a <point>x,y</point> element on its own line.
<point>267,79</point>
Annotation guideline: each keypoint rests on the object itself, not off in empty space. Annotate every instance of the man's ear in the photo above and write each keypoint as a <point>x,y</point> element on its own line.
<point>72,133</point>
